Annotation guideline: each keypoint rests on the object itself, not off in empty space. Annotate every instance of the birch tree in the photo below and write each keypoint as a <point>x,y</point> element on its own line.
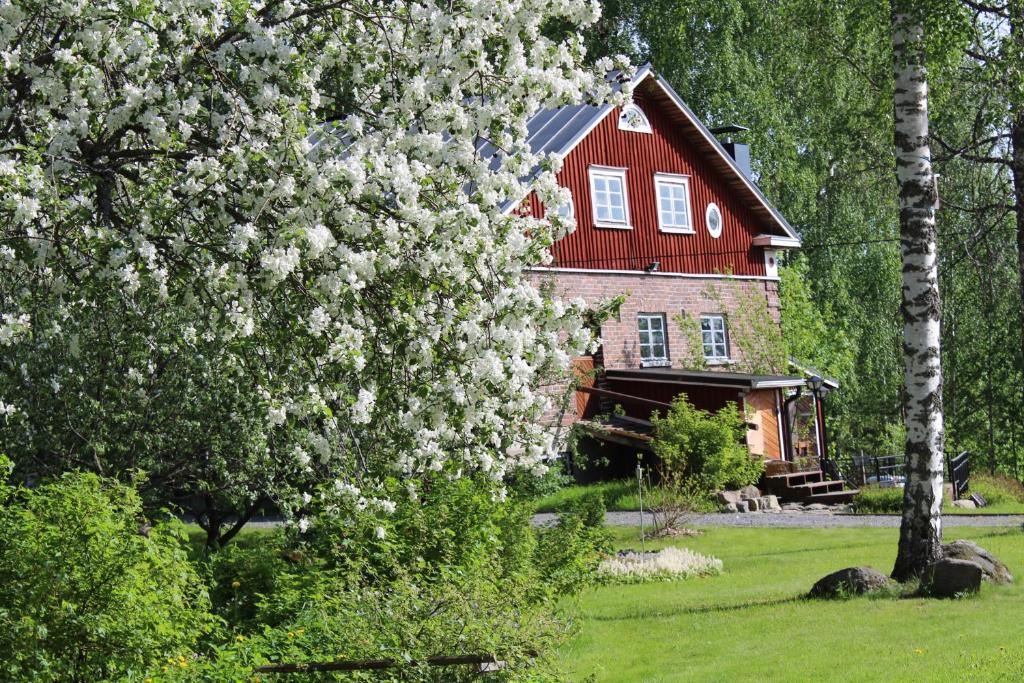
<point>921,529</point>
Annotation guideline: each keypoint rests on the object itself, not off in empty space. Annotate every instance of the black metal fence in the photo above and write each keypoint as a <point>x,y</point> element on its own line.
<point>890,470</point>
<point>958,473</point>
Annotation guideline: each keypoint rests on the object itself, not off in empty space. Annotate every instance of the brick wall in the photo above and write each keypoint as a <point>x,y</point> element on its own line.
<point>654,293</point>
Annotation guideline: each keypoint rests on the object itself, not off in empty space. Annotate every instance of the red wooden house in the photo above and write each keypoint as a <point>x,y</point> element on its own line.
<point>663,210</point>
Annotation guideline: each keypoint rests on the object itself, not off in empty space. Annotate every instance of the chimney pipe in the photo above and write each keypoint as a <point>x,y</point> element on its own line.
<point>739,151</point>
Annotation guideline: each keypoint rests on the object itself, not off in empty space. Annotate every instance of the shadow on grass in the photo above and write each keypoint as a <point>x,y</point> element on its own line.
<point>702,609</point>
<point>813,549</point>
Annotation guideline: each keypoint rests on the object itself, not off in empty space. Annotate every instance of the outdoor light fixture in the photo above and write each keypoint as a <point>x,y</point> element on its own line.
<point>815,383</point>
<point>652,267</point>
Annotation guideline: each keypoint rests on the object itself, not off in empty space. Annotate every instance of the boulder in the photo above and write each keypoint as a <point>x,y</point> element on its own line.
<point>726,497</point>
<point>951,578</point>
<point>991,569</point>
<point>768,503</point>
<point>817,507</point>
<point>965,503</point>
<point>748,492</point>
<point>730,507</point>
<point>849,581</point>
<point>743,506</point>
<point>754,504</point>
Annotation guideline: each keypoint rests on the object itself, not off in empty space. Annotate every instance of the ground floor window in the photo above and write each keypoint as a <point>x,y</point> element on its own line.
<point>653,346</point>
<point>712,332</point>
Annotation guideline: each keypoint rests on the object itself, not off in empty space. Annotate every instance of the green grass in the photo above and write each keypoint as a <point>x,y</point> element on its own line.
<point>752,623</point>
<point>621,496</point>
<point>618,495</point>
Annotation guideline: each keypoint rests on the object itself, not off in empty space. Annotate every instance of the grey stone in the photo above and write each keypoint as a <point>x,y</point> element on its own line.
<point>754,503</point>
<point>816,507</point>
<point>726,497</point>
<point>849,581</point>
<point>964,503</point>
<point>743,506</point>
<point>991,568</point>
<point>792,507</point>
<point>951,578</point>
<point>769,503</point>
<point>731,507</point>
<point>748,492</point>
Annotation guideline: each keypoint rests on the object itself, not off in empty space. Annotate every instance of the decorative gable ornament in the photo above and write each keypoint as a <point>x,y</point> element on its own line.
<point>633,119</point>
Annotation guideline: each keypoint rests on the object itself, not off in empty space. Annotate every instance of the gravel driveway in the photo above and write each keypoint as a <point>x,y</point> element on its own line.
<point>798,520</point>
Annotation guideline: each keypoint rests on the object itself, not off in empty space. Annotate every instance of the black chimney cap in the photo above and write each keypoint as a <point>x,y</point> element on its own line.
<point>731,128</point>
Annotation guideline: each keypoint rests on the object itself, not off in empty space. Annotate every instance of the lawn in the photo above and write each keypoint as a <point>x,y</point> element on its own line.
<point>752,624</point>
<point>622,496</point>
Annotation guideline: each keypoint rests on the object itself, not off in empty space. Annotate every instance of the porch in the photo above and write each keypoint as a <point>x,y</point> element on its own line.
<point>785,420</point>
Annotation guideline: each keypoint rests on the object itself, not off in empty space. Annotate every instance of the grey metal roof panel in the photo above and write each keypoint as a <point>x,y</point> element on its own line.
<point>739,380</point>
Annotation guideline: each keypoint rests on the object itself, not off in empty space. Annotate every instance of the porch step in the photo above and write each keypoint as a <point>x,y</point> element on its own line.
<point>795,478</point>
<point>808,487</point>
<point>832,497</point>
<point>816,487</point>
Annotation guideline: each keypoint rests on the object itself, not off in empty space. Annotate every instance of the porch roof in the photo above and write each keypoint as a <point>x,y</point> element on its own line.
<point>740,381</point>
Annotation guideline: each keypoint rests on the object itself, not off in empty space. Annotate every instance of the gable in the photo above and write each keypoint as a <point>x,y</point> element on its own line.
<point>676,144</point>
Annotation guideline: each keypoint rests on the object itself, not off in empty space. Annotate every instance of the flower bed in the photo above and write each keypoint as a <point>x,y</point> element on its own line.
<point>669,564</point>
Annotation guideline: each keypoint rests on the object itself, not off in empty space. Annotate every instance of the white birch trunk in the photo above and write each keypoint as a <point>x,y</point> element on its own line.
<point>921,529</point>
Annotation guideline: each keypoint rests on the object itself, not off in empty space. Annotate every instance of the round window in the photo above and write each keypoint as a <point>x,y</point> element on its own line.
<point>713,218</point>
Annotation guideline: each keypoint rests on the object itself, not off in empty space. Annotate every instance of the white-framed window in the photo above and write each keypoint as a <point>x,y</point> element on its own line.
<point>653,342</point>
<point>673,192</point>
<point>632,118</point>
<point>713,337</point>
<point>608,196</point>
<point>713,219</point>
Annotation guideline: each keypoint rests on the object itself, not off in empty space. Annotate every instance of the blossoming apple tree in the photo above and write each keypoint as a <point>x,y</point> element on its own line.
<point>252,246</point>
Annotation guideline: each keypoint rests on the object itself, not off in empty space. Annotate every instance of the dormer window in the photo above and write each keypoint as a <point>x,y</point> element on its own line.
<point>608,197</point>
<point>673,192</point>
<point>633,119</point>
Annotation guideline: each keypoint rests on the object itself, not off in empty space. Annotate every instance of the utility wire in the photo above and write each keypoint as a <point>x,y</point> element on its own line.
<point>728,252</point>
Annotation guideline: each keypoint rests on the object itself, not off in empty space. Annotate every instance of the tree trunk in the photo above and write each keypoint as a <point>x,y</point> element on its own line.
<point>921,528</point>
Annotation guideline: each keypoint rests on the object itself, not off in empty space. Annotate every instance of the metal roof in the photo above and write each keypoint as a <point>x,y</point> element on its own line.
<point>710,378</point>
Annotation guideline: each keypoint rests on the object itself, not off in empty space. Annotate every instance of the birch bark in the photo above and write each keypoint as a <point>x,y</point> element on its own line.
<point>921,528</point>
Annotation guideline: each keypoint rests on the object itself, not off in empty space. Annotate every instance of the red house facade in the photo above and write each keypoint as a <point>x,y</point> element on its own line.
<point>669,217</point>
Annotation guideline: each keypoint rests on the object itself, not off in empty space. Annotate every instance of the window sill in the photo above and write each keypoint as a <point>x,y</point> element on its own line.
<point>718,361</point>
<point>663,363</point>
<point>614,226</point>
<point>677,231</point>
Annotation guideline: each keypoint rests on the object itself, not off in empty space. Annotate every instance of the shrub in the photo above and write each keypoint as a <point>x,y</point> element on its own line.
<point>454,572</point>
<point>709,447</point>
<point>875,499</point>
<point>86,594</point>
<point>997,489</point>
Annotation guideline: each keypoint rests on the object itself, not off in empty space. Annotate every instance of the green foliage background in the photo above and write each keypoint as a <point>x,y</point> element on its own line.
<point>813,82</point>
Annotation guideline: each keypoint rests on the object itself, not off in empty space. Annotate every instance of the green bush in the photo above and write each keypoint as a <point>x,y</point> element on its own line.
<point>454,571</point>
<point>86,593</point>
<point>878,500</point>
<point>709,447</point>
<point>997,489</point>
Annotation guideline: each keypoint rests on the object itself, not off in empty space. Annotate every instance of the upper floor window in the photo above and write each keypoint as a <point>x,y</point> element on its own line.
<point>712,333</point>
<point>653,346</point>
<point>608,194</point>
<point>673,202</point>
<point>633,119</point>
